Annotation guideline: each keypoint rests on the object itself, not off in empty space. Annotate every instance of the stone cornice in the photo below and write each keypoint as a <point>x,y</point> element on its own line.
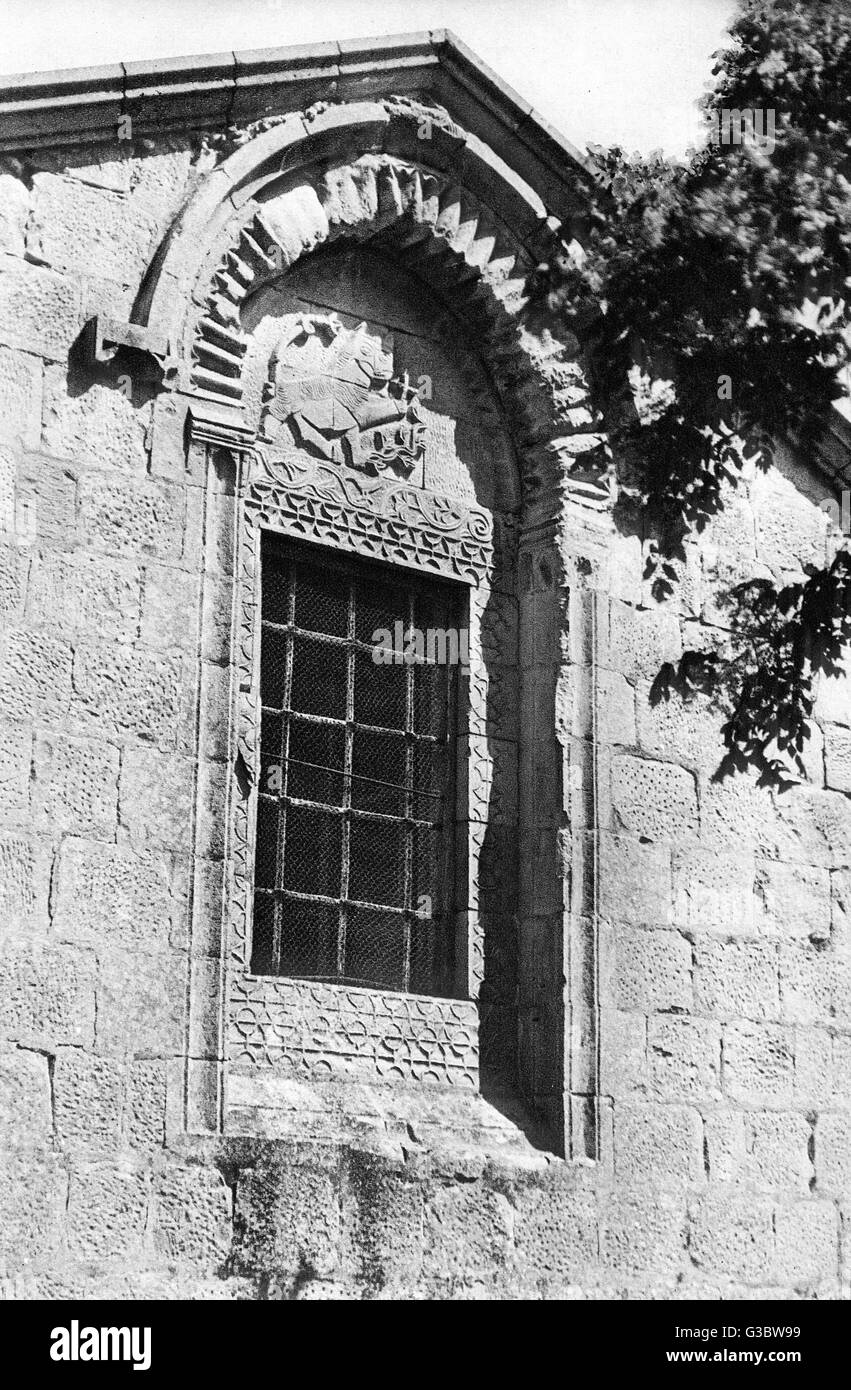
<point>81,105</point>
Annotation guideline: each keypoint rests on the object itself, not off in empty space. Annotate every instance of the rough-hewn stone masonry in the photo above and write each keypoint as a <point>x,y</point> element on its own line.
<point>275,304</point>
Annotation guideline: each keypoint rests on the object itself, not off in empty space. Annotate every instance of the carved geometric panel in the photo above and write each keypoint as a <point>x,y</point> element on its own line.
<point>321,1030</point>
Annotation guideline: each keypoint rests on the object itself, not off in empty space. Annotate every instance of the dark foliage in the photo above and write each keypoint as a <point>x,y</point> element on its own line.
<point>724,280</point>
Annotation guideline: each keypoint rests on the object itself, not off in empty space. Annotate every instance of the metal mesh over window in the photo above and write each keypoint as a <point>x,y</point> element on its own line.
<point>356,798</point>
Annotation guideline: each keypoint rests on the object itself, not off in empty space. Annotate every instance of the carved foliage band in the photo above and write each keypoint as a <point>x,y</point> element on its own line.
<point>379,518</point>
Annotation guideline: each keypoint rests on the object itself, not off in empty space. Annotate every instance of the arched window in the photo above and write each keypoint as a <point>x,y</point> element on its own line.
<point>383,447</point>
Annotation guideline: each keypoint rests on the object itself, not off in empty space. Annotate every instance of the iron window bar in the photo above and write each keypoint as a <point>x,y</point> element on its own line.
<point>359,777</point>
<point>350,889</point>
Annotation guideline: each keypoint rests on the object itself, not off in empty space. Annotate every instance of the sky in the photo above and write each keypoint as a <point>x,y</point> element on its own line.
<point>625,72</point>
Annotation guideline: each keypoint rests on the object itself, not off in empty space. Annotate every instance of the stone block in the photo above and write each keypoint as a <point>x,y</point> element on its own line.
<point>815,985</point>
<point>25,1099</point>
<point>791,531</point>
<point>726,1146</point>
<point>89,1095</point>
<point>833,698</point>
<point>468,1227</point>
<point>14,566</point>
<point>686,732</point>
<point>216,620</point>
<point>613,713</point>
<point>807,1242</point>
<point>75,786</point>
<point>713,891</point>
<point>728,553</point>
<point>640,640</point>
<point>841,1068</point>
<point>84,230</point>
<point>168,457</point>
<point>840,914</point>
<point>47,500</point>
<point>39,310</point>
<point>684,1058</point>
<point>108,895</point>
<point>655,800</point>
<point>14,210</point>
<point>8,476</point>
<point>214,711</point>
<point>556,1232</point>
<point>635,881</point>
<point>96,425</point>
<point>156,799</point>
<point>759,1063</point>
<point>170,609</point>
<point>815,827</point>
<point>20,396</point>
<point>837,757</point>
<point>15,757</point>
<point>140,1004</point>
<point>131,517</point>
<point>145,1108</point>
<point>212,791</point>
<point>663,1140</point>
<point>643,1232</point>
<point>85,593</point>
<point>687,595</point>
<point>732,1235</point>
<point>192,1216</point>
<point>107,1210</point>
<point>128,690</point>
<point>736,815</point>
<point>778,1151</point>
<point>24,876</point>
<point>814,1068</point>
<point>47,997</point>
<point>652,970</point>
<point>623,1054</point>
<point>288,1220</point>
<point>833,1154</point>
<point>32,1209</point>
<point>737,979</point>
<point>35,676</point>
<point>382,1218</point>
<point>792,900</point>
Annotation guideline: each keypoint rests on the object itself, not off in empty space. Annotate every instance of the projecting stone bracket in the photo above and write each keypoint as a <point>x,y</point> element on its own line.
<point>103,337</point>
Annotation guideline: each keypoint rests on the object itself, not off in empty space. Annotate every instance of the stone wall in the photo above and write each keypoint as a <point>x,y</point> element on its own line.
<point>724,974</point>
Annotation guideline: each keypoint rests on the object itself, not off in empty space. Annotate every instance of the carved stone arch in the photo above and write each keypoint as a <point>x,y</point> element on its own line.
<point>470,231</point>
<point>462,218</point>
<point>448,239</point>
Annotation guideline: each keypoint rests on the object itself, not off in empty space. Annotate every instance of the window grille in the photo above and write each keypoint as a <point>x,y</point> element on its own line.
<point>356,799</point>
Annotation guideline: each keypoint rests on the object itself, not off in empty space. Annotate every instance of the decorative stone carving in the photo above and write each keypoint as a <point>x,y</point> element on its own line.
<point>319,1029</point>
<point>377,517</point>
<point>335,389</point>
<point>320,472</point>
<point>322,1030</point>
